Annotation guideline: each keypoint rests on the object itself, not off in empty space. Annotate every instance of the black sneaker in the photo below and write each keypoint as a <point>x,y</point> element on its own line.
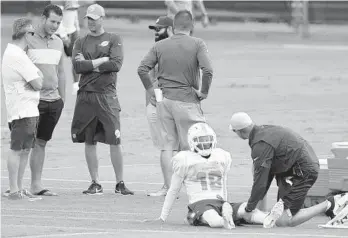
<point>94,189</point>
<point>121,188</point>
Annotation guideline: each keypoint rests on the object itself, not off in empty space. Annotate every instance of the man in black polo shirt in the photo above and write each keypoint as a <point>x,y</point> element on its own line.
<point>281,153</point>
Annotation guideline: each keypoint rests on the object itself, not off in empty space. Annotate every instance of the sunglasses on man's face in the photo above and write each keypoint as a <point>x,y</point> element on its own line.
<point>158,29</point>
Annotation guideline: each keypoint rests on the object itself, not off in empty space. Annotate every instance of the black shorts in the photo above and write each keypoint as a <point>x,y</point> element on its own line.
<point>23,133</point>
<point>294,195</point>
<point>49,115</point>
<point>196,210</point>
<point>96,119</point>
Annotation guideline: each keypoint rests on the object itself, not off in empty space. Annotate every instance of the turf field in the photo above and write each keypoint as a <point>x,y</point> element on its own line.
<point>263,70</point>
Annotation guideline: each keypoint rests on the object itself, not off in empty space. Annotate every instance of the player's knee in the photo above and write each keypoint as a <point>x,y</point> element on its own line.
<point>286,220</point>
<point>40,142</point>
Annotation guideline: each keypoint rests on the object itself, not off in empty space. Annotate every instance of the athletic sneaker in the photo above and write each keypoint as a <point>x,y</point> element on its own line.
<point>227,213</point>
<point>338,202</point>
<point>121,188</point>
<point>276,212</point>
<point>162,192</point>
<point>94,189</point>
<point>16,195</point>
<point>6,193</point>
<point>30,196</point>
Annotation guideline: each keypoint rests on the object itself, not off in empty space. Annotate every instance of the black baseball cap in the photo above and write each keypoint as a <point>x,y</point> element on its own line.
<point>162,21</point>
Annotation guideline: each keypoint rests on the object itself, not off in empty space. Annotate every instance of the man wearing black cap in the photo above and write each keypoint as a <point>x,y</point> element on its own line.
<point>163,29</point>
<point>180,59</point>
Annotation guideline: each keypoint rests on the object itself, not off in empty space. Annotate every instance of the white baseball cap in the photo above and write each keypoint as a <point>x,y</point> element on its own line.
<point>95,11</point>
<point>240,120</point>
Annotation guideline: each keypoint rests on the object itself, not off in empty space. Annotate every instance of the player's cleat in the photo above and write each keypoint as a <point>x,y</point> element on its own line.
<point>276,212</point>
<point>121,188</point>
<point>227,213</point>
<point>30,196</point>
<point>338,202</point>
<point>162,192</point>
<point>16,195</point>
<point>94,189</point>
<point>340,221</point>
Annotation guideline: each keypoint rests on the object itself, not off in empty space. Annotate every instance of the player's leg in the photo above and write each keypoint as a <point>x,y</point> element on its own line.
<point>13,160</point>
<point>83,129</point>
<point>151,115</point>
<point>29,130</point>
<point>292,193</point>
<point>109,132</point>
<point>169,137</point>
<point>50,113</point>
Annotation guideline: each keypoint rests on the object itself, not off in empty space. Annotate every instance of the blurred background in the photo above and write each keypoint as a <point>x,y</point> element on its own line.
<point>296,14</point>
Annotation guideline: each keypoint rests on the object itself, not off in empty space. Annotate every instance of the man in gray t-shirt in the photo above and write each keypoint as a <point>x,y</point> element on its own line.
<point>179,59</point>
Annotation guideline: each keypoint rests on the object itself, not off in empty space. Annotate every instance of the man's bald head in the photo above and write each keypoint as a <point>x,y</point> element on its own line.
<point>183,21</point>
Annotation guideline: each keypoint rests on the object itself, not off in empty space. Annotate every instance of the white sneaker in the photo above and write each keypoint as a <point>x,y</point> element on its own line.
<point>227,213</point>
<point>6,193</point>
<point>162,192</point>
<point>276,212</point>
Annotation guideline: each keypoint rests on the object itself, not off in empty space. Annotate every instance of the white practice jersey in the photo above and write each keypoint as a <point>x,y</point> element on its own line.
<point>203,178</point>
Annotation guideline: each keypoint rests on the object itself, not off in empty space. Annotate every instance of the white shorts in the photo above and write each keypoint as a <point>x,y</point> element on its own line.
<point>151,116</point>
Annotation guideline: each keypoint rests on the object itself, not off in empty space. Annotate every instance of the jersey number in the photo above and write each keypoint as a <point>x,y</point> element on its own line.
<point>211,179</point>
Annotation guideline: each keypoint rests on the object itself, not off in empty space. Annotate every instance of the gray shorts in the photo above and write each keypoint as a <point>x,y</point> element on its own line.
<point>23,132</point>
<point>174,120</point>
<point>96,119</point>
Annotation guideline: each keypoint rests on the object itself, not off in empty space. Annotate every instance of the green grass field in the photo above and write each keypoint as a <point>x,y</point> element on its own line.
<point>270,74</point>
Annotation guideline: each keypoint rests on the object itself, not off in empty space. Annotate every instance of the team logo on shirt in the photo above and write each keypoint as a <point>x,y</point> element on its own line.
<point>104,43</point>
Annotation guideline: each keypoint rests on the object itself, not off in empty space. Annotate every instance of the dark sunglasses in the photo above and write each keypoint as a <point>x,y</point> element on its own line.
<point>158,29</point>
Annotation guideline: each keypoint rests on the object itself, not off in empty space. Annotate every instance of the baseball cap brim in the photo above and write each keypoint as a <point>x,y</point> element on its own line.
<point>93,16</point>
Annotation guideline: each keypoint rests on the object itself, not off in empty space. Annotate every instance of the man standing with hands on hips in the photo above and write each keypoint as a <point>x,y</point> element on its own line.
<point>179,59</point>
<point>98,57</point>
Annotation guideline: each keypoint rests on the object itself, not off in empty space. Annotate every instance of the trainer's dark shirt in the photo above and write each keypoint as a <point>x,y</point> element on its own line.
<point>94,47</point>
<point>179,58</point>
<point>275,151</point>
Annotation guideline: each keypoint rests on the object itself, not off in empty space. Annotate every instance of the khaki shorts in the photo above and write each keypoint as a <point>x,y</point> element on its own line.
<point>174,120</point>
<point>151,115</point>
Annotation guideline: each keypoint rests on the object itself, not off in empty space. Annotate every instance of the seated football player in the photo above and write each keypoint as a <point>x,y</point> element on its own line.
<point>203,171</point>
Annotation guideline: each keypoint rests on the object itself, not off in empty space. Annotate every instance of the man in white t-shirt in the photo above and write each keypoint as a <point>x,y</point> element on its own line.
<point>22,82</point>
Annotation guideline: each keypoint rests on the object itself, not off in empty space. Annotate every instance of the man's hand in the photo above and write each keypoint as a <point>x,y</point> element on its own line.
<point>201,96</point>
<point>158,221</point>
<point>152,94</point>
<point>79,57</point>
